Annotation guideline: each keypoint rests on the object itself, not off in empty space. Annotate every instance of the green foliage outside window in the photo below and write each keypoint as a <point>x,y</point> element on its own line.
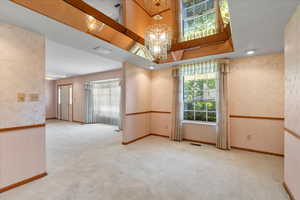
<point>199,18</point>
<point>199,97</point>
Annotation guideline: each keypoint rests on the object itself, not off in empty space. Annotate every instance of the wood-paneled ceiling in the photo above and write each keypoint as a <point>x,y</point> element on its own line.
<point>74,12</point>
<point>151,8</point>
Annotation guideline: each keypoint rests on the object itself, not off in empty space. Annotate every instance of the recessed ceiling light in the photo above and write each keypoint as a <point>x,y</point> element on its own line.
<point>54,76</point>
<point>151,67</point>
<point>102,50</point>
<point>250,52</point>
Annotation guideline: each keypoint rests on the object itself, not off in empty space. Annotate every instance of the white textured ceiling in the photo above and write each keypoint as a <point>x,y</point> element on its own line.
<point>107,7</point>
<point>256,24</point>
<point>65,60</point>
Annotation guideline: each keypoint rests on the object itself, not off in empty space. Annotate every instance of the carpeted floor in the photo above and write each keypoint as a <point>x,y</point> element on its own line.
<point>88,162</point>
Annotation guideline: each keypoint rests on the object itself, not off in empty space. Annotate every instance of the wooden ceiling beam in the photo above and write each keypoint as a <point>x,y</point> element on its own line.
<point>89,10</point>
<point>218,48</point>
<point>208,50</point>
<point>223,36</point>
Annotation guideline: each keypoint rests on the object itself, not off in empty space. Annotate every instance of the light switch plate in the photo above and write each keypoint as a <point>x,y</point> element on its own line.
<point>21,97</point>
<point>34,97</point>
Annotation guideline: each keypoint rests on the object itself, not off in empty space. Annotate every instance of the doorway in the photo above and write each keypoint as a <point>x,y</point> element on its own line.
<point>65,102</point>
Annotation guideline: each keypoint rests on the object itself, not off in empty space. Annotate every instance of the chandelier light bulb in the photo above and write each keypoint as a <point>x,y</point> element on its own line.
<point>163,36</point>
<point>156,49</point>
<point>152,36</point>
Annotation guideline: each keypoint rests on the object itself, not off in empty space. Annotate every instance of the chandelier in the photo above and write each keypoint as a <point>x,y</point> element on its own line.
<point>93,25</point>
<point>158,39</point>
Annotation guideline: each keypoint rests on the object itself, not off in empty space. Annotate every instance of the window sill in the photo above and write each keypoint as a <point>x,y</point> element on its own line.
<point>199,123</point>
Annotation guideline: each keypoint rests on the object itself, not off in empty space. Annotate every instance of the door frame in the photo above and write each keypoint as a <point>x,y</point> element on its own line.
<point>57,87</point>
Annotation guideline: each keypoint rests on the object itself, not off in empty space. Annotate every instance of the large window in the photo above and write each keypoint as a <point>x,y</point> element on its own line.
<point>198,19</point>
<point>199,97</point>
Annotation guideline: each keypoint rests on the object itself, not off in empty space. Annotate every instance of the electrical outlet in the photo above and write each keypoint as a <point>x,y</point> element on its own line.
<point>249,137</point>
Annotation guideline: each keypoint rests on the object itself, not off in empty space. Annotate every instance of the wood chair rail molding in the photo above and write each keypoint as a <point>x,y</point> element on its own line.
<point>2,130</point>
<point>23,182</point>
<point>257,117</point>
<point>293,133</point>
<point>147,112</point>
<point>288,191</point>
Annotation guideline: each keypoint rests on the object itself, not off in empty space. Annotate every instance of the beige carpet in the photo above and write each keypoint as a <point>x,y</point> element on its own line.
<point>88,162</point>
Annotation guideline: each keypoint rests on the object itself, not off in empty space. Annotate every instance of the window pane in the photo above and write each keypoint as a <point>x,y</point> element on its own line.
<point>188,106</point>
<point>211,84</point>
<point>189,115</point>
<point>212,94</point>
<point>201,116</point>
<point>200,106</point>
<point>205,95</point>
<point>198,1</point>
<point>211,106</point>
<point>188,96</point>
<point>211,116</point>
<point>198,95</point>
<point>210,4</point>
<point>187,3</point>
<point>199,10</point>
<point>189,85</point>
<point>190,12</point>
<point>199,84</point>
<point>190,24</point>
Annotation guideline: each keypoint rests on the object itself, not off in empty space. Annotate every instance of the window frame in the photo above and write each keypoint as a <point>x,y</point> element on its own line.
<point>182,82</point>
<point>183,18</point>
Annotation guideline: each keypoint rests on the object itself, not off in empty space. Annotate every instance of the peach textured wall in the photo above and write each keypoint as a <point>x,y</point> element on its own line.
<point>78,90</point>
<point>137,99</point>
<point>50,95</point>
<point>22,70</point>
<point>22,154</point>
<point>136,19</point>
<point>19,64</point>
<point>162,88</point>
<point>292,105</point>
<point>257,89</point>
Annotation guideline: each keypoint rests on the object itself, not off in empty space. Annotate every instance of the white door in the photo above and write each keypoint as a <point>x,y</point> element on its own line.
<point>65,102</point>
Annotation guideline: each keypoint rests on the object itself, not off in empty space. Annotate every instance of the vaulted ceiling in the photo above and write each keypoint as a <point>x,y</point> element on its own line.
<point>152,8</point>
<point>256,25</point>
